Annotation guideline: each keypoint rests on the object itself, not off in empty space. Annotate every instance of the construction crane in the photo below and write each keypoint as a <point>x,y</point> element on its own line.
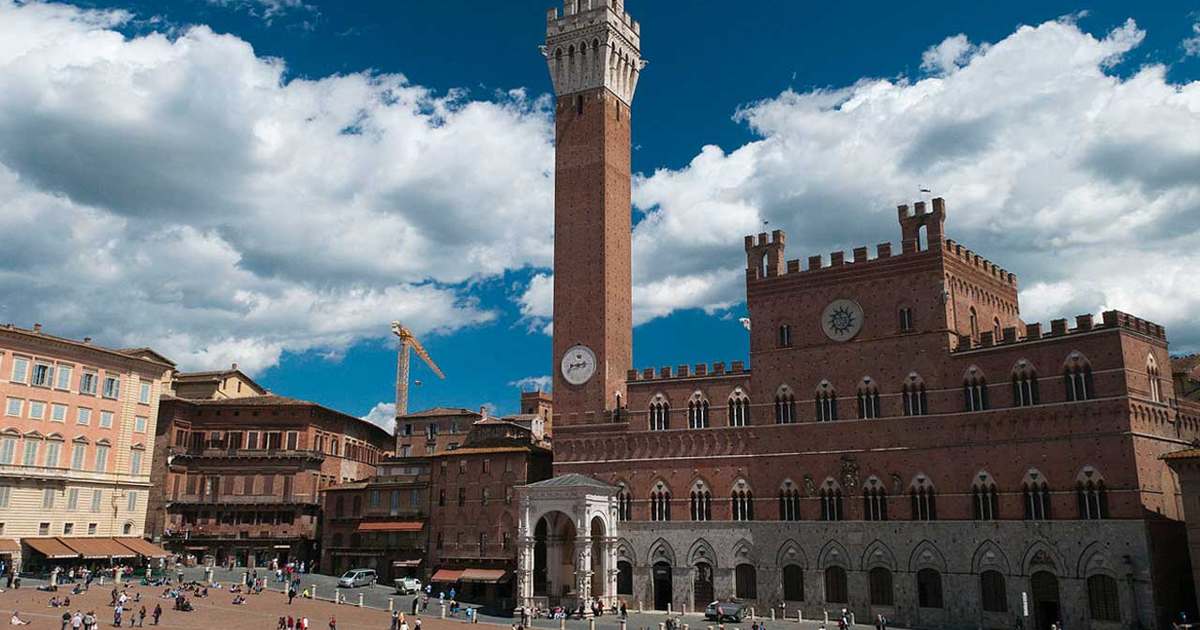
<point>408,343</point>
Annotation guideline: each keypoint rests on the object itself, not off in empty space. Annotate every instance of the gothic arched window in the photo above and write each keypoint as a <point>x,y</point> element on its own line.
<point>660,503</point>
<point>785,406</point>
<point>739,408</point>
<point>1036,494</point>
<point>789,502</point>
<point>985,500</point>
<point>701,502</point>
<point>874,501</point>
<point>1091,495</point>
<point>831,501</point>
<point>1077,378</point>
<point>660,413</point>
<point>624,503</point>
<point>1152,375</point>
<point>868,399</point>
<point>697,411</point>
<point>975,390</point>
<point>1024,384</point>
<point>826,402</point>
<point>913,395</point>
<point>742,502</point>
<point>923,499</point>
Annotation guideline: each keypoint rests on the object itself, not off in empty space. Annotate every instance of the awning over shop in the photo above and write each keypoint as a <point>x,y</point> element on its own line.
<point>406,563</point>
<point>446,575</point>
<point>8,545</point>
<point>143,547</point>
<point>283,546</point>
<point>51,548</point>
<point>489,576</point>
<point>391,526</point>
<point>98,547</point>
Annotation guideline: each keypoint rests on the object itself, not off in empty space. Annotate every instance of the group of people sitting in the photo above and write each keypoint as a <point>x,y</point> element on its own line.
<point>55,602</point>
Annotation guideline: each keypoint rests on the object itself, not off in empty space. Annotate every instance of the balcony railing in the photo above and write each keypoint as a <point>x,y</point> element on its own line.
<point>247,453</point>
<point>44,472</point>
<point>208,499</point>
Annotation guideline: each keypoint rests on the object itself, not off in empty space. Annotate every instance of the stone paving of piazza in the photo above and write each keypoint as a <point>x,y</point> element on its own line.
<point>263,611</point>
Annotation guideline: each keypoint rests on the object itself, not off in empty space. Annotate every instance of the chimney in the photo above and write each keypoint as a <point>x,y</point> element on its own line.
<point>37,328</point>
<point>234,365</point>
<point>483,411</point>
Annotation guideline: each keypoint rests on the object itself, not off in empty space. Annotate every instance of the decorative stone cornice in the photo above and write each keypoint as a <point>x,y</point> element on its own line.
<point>593,44</point>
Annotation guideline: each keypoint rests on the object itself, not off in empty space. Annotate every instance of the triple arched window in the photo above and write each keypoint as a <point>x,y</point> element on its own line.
<point>739,408</point>
<point>1077,378</point>
<point>826,402</point>
<point>624,504</point>
<point>868,399</point>
<point>874,501</point>
<point>1091,495</point>
<point>1024,384</point>
<point>1152,375</point>
<point>742,502</point>
<point>660,503</point>
<point>975,390</point>
<point>831,501</point>
<point>701,502</point>
<point>789,502</point>
<point>912,393</point>
<point>660,413</point>
<point>785,405</point>
<point>1036,494</point>
<point>923,499</point>
<point>985,500</point>
<point>697,412</point>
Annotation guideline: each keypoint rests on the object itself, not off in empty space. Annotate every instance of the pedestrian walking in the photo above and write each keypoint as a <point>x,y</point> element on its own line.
<point>415,603</point>
<point>157,613</point>
<point>395,620</point>
<point>291,595</point>
<point>332,621</point>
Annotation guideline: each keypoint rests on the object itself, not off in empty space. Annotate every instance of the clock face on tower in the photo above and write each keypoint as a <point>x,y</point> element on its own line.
<point>842,319</point>
<point>578,364</point>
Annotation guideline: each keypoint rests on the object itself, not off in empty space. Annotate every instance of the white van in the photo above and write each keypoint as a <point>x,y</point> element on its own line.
<point>407,585</point>
<point>357,577</point>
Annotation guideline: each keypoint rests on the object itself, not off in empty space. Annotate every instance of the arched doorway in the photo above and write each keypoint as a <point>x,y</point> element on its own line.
<point>599,557</point>
<point>554,556</point>
<point>662,585</point>
<point>624,578</point>
<point>1044,587</point>
<point>702,585</point>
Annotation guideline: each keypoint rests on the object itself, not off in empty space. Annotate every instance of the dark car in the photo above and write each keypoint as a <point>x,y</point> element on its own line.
<point>722,611</point>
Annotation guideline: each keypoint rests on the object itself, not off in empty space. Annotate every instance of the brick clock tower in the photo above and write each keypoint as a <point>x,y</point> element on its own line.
<point>593,50</point>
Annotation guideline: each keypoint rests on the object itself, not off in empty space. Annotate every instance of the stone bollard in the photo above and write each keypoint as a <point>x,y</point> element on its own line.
<point>314,592</point>
<point>852,618</point>
<point>640,606</point>
<point>827,617</point>
<point>668,608</point>
<point>772,614</point>
<point>443,611</point>
<point>685,626</point>
<point>799,616</point>
<point>101,580</point>
<point>622,624</point>
<point>391,604</point>
<point>592,623</point>
<point>562,623</point>
<point>662,626</point>
<point>753,617</point>
<point>360,600</point>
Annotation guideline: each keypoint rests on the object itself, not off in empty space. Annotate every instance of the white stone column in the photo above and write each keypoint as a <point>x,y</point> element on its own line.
<point>525,556</point>
<point>583,566</point>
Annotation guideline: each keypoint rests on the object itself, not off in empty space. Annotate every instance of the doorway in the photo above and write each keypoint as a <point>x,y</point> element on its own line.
<point>662,585</point>
<point>1045,599</point>
<point>702,586</point>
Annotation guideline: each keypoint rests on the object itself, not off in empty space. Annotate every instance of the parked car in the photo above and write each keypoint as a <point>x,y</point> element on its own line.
<point>357,577</point>
<point>721,611</point>
<point>407,585</point>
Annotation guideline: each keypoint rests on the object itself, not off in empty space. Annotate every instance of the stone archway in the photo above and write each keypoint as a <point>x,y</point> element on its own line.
<point>567,553</point>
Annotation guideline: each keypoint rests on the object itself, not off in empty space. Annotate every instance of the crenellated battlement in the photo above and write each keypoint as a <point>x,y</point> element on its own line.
<point>986,266</point>
<point>1059,328</point>
<point>765,253</point>
<point>700,370</point>
<point>593,44</point>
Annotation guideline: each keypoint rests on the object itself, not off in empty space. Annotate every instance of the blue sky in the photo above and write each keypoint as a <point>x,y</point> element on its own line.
<point>1063,135</point>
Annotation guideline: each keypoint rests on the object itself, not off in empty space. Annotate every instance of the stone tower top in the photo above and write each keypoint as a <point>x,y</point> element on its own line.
<point>593,44</point>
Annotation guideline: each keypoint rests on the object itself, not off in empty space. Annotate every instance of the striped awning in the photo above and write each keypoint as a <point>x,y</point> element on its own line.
<point>488,576</point>
<point>98,547</point>
<point>143,547</point>
<point>391,526</point>
<point>446,575</point>
<point>50,547</point>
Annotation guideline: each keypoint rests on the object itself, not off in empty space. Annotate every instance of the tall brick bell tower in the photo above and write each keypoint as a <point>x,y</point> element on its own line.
<point>593,50</point>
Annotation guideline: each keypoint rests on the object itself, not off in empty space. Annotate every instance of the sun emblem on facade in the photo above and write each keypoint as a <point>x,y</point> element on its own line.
<point>842,319</point>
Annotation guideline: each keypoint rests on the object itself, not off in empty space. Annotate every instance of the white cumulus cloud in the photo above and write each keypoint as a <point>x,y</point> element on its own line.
<point>383,415</point>
<point>176,190</point>
<point>1081,181</point>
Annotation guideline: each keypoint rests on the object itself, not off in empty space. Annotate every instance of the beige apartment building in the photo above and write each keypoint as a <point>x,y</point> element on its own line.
<point>76,440</point>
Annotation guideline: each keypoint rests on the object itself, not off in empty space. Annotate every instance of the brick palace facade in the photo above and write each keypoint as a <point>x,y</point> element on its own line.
<point>901,442</point>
